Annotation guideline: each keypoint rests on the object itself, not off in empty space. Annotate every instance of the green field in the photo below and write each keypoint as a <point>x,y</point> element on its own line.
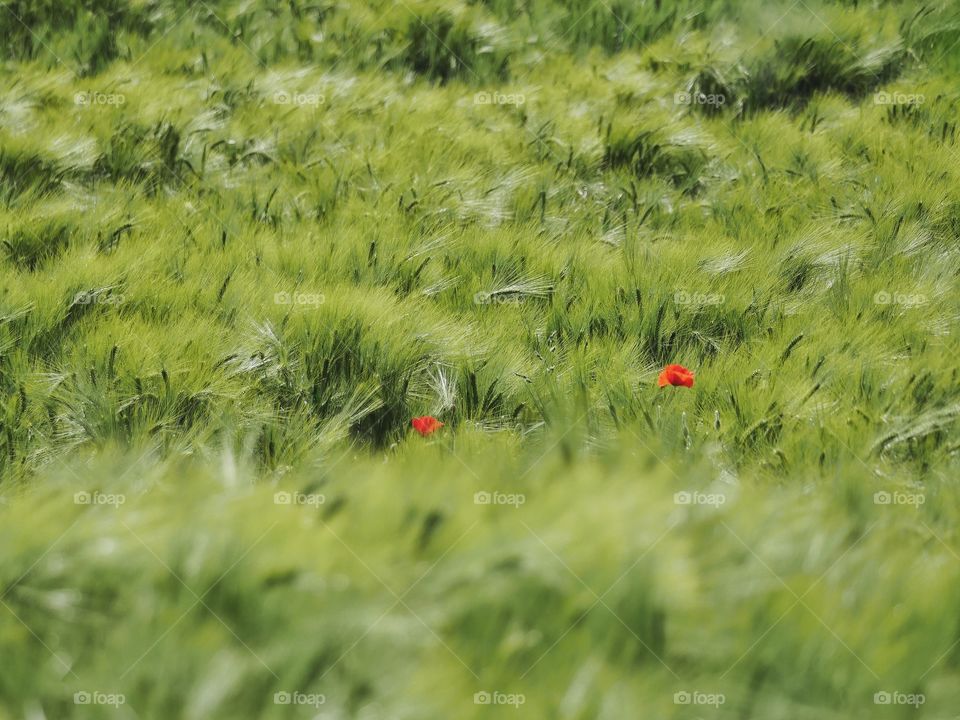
<point>244,242</point>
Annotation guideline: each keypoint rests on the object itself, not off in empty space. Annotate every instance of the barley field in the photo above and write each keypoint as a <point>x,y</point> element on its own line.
<point>430,359</point>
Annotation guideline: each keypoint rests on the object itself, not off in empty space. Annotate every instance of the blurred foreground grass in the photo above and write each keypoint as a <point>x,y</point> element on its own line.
<point>578,584</point>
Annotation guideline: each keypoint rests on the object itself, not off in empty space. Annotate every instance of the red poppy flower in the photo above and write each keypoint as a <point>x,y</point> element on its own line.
<point>676,375</point>
<point>426,424</point>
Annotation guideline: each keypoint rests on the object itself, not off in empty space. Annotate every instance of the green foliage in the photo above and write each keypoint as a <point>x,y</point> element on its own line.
<point>242,244</point>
